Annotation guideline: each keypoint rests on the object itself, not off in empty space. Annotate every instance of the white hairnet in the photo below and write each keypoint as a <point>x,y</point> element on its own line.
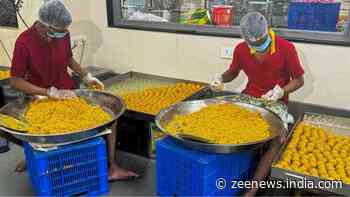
<point>254,26</point>
<point>54,13</point>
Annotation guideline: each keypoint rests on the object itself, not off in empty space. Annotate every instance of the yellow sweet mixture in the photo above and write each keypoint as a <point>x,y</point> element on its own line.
<point>315,151</point>
<point>96,87</point>
<point>222,124</point>
<point>49,116</point>
<point>12,123</point>
<point>4,74</point>
<point>152,100</point>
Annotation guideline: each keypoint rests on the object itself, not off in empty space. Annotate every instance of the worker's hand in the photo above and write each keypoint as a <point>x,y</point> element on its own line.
<point>217,85</point>
<point>275,94</point>
<point>60,94</point>
<point>93,82</point>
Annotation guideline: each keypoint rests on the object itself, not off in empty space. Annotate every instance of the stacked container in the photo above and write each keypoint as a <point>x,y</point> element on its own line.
<point>185,172</point>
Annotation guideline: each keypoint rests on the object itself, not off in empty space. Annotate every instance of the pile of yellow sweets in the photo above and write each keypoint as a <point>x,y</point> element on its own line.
<point>4,74</point>
<point>50,116</point>
<point>222,124</point>
<point>12,123</point>
<point>315,151</point>
<point>152,100</point>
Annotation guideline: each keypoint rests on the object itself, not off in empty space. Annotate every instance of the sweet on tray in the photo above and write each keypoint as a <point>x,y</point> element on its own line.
<point>4,74</point>
<point>137,85</point>
<point>152,100</point>
<point>319,152</point>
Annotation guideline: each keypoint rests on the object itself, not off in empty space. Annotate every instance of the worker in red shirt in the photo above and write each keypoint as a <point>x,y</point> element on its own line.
<point>270,62</point>
<point>273,69</point>
<point>40,63</point>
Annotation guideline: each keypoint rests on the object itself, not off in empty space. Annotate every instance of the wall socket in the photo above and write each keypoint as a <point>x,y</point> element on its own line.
<point>78,41</point>
<point>226,52</point>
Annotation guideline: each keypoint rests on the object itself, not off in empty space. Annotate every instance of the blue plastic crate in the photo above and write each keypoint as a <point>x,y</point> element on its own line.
<point>76,169</point>
<point>186,172</point>
<point>313,16</point>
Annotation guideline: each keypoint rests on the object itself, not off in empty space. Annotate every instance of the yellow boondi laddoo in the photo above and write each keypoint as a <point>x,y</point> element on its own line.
<point>4,74</point>
<point>222,124</point>
<point>152,100</point>
<point>50,116</point>
<point>318,152</point>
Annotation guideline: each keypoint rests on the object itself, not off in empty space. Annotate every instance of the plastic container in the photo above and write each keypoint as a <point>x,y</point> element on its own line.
<point>76,169</point>
<point>186,172</point>
<point>222,15</point>
<point>313,16</point>
<point>212,3</point>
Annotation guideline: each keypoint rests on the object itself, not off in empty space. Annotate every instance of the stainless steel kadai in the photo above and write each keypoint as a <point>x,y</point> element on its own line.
<point>110,103</point>
<point>166,115</point>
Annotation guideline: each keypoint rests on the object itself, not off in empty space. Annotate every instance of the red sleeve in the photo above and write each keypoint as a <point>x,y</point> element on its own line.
<point>235,66</point>
<point>293,63</point>
<point>70,47</point>
<point>20,60</point>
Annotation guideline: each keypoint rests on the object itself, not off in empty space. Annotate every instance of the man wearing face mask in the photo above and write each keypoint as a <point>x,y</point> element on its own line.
<point>40,63</point>
<point>273,69</point>
<point>270,62</point>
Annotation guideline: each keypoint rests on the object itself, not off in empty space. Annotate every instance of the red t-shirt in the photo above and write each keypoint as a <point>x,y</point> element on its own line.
<point>277,68</point>
<point>42,63</point>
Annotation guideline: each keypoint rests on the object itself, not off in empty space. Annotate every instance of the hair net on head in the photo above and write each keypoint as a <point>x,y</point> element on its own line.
<point>254,26</point>
<point>54,13</point>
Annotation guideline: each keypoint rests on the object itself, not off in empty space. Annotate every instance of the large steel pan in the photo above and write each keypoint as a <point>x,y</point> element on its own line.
<point>110,103</point>
<point>166,115</point>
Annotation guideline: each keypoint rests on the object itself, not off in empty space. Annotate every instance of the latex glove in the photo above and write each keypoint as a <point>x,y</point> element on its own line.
<point>217,85</point>
<point>93,82</point>
<point>275,94</point>
<point>60,94</point>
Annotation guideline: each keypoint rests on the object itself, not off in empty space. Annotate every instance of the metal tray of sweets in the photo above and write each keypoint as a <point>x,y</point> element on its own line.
<point>166,115</point>
<point>161,80</point>
<point>110,103</point>
<point>338,125</point>
<point>4,81</point>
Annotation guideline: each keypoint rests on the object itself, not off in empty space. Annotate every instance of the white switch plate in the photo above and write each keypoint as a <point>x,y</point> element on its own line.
<point>226,52</point>
<point>78,40</point>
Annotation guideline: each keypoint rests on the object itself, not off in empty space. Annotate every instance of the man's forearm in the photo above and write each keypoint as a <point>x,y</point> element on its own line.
<point>26,87</point>
<point>293,85</point>
<point>75,66</point>
<point>227,76</point>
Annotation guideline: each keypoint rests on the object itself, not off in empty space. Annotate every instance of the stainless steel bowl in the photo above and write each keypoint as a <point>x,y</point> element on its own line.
<point>166,115</point>
<point>110,103</point>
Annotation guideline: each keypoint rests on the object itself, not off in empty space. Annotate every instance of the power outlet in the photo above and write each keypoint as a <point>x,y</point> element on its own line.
<point>226,52</point>
<point>78,41</point>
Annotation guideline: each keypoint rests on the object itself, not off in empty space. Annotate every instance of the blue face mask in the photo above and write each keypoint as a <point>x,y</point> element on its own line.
<point>264,46</point>
<point>56,35</point>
